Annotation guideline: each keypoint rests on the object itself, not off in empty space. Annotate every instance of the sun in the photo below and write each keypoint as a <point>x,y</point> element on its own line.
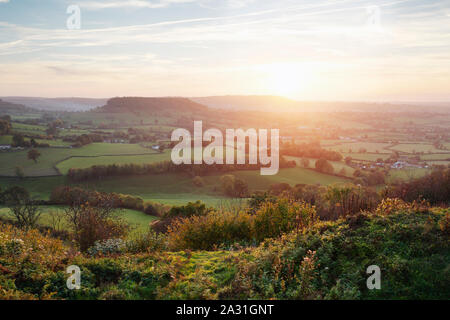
<point>286,79</point>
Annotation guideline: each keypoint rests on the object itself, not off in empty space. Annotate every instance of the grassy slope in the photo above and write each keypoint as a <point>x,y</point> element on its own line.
<point>175,188</point>
<point>138,220</point>
<point>411,248</point>
<point>407,174</point>
<point>82,163</point>
<point>417,147</point>
<point>337,165</point>
<point>51,156</point>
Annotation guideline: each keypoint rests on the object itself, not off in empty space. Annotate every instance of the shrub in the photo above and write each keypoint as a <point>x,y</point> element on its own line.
<point>279,188</point>
<point>274,219</point>
<point>14,246</point>
<point>234,187</point>
<point>90,224</point>
<point>107,247</point>
<point>198,181</point>
<point>191,209</point>
<point>24,209</point>
<point>225,228</point>
<point>324,166</point>
<point>341,201</point>
<point>146,242</point>
<point>209,231</point>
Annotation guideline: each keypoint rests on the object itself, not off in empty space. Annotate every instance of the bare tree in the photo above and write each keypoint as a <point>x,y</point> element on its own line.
<point>95,220</point>
<point>26,212</point>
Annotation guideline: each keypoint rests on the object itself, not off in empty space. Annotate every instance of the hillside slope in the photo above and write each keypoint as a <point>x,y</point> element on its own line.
<point>58,104</point>
<point>410,245</point>
<point>150,105</point>
<point>12,108</point>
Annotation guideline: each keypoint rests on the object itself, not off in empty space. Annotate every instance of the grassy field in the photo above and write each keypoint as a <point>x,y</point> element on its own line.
<point>39,188</point>
<point>415,147</point>
<point>338,166</point>
<point>138,221</point>
<point>366,156</point>
<point>50,157</point>
<point>356,146</point>
<point>439,162</point>
<point>175,189</point>
<point>407,174</point>
<point>7,139</point>
<point>436,156</point>
<point>84,162</point>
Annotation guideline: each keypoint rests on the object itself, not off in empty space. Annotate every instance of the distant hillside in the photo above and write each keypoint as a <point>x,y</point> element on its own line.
<point>12,108</point>
<point>58,104</point>
<point>281,104</point>
<point>147,105</point>
<point>261,103</point>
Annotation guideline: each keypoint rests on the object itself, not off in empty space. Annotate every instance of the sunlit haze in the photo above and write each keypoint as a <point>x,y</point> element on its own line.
<point>306,50</point>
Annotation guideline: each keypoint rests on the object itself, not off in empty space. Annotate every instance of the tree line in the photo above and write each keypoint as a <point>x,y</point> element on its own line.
<point>102,171</point>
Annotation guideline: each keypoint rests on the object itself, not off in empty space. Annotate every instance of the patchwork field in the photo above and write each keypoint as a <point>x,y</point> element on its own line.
<point>407,174</point>
<point>357,146</point>
<point>87,162</point>
<point>338,166</point>
<point>139,221</point>
<point>366,156</point>
<point>415,147</point>
<point>50,157</point>
<point>176,188</point>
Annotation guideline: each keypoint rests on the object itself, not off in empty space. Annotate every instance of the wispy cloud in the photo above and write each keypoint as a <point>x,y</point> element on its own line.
<point>224,51</point>
<point>155,4</point>
<point>114,4</point>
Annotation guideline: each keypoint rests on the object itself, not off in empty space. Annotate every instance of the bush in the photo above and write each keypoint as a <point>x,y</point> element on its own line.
<point>198,181</point>
<point>191,209</point>
<point>324,166</point>
<point>274,219</point>
<point>225,228</point>
<point>234,187</point>
<point>107,247</point>
<point>146,242</point>
<point>207,232</point>
<point>90,224</point>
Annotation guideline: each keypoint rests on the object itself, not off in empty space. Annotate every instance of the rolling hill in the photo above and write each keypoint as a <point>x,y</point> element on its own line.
<point>57,104</point>
<point>150,105</point>
<point>12,108</point>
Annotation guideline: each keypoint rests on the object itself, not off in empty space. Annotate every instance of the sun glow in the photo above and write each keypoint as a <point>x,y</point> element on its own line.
<point>286,79</point>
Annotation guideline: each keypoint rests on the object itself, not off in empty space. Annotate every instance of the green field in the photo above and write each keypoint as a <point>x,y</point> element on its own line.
<point>439,162</point>
<point>407,174</point>
<point>175,189</point>
<point>366,156</point>
<point>39,188</point>
<point>7,139</point>
<point>356,146</point>
<point>435,156</point>
<point>338,166</point>
<point>84,162</point>
<point>50,157</point>
<point>139,221</point>
<point>416,147</point>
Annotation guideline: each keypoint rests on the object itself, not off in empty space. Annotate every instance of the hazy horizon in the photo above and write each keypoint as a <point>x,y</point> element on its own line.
<point>359,50</point>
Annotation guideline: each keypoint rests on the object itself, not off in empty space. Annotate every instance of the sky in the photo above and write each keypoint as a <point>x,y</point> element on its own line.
<point>347,50</point>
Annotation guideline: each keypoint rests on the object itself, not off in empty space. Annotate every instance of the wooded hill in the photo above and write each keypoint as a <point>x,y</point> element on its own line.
<point>147,105</point>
